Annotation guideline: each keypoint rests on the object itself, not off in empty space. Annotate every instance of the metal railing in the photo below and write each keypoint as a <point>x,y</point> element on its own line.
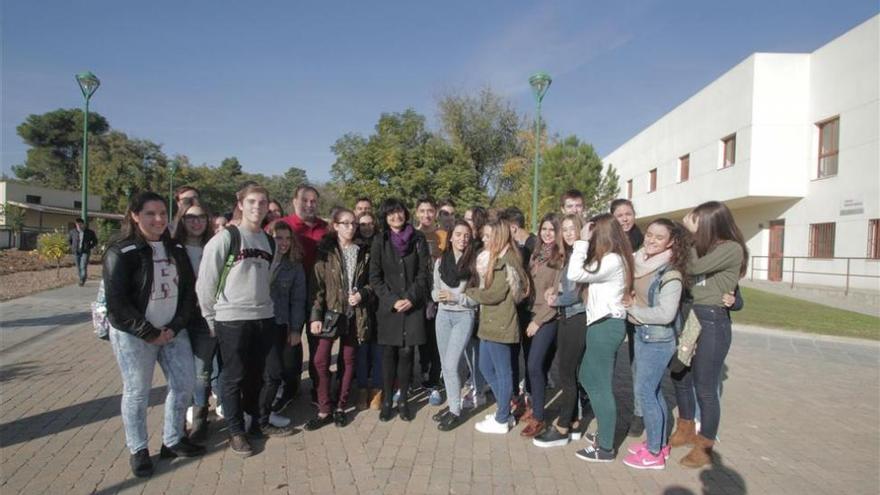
<point>846,270</point>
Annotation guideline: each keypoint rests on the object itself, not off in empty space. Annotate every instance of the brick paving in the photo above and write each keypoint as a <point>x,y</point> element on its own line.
<point>800,416</point>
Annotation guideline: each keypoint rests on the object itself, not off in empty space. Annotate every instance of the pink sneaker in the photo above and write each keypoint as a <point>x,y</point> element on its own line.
<point>637,447</point>
<point>644,459</point>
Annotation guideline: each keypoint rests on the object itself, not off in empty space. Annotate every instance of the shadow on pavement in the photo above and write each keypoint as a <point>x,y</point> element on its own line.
<point>63,319</point>
<point>66,418</point>
<point>716,479</point>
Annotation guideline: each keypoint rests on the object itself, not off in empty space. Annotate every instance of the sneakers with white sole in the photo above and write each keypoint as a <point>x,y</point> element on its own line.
<point>490,425</point>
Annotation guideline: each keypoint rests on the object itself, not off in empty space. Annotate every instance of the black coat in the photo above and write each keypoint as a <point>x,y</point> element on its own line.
<point>90,240</point>
<point>128,282</point>
<point>393,278</point>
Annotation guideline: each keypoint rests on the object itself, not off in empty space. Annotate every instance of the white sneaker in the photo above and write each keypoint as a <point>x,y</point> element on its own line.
<point>219,411</point>
<point>489,425</point>
<point>279,420</point>
<point>189,414</point>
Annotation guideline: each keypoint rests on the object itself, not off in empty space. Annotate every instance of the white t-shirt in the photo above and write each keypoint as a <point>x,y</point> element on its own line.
<point>195,256</point>
<point>163,295</point>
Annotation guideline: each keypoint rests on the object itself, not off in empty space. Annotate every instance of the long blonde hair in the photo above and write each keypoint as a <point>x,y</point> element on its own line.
<point>499,239</point>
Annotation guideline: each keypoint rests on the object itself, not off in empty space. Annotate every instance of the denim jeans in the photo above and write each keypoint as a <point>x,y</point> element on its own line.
<point>369,365</point>
<point>453,335</point>
<point>539,365</point>
<point>244,346</point>
<point>597,374</point>
<point>704,374</point>
<point>496,369</point>
<point>204,346</point>
<point>82,265</point>
<point>137,359</point>
<point>654,347</point>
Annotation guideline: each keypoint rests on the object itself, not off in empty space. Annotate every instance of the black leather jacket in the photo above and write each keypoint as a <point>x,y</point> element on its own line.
<point>128,282</point>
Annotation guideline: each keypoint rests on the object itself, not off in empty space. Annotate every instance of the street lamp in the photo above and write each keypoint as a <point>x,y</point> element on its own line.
<point>172,168</point>
<point>540,82</point>
<point>88,84</point>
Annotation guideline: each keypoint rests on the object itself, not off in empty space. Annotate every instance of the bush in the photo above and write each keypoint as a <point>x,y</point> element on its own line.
<point>52,247</point>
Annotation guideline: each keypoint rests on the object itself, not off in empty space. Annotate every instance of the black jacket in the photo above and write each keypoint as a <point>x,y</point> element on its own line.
<point>128,282</point>
<point>90,240</point>
<point>393,278</point>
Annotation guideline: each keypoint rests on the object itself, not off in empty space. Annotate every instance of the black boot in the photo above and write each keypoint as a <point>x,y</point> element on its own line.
<point>387,411</point>
<point>141,465</point>
<point>199,431</point>
<point>403,406</point>
<point>183,448</point>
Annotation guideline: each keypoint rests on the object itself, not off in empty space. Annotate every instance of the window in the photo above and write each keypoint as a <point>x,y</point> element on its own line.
<point>629,189</point>
<point>874,238</point>
<point>729,156</point>
<point>684,168</point>
<point>32,199</point>
<point>829,138</point>
<point>652,184</point>
<point>77,204</point>
<point>822,240</point>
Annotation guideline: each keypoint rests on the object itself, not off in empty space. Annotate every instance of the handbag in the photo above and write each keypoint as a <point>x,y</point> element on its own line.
<point>99,315</point>
<point>333,325</point>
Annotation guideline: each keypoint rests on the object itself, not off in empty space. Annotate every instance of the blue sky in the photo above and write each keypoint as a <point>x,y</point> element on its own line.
<point>275,83</point>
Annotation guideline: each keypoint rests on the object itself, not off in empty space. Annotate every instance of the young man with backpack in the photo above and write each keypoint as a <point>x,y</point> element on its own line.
<point>233,291</point>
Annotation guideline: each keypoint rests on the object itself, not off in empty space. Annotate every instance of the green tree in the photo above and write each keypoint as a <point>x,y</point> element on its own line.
<point>121,167</point>
<point>55,140</point>
<point>281,187</point>
<point>403,159</point>
<point>485,128</point>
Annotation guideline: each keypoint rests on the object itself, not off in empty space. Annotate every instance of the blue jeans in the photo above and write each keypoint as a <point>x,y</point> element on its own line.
<point>204,347</point>
<point>654,347</point>
<point>137,359</point>
<point>454,330</point>
<point>496,369</point>
<point>82,265</point>
<point>539,365</point>
<point>704,375</point>
<point>368,358</point>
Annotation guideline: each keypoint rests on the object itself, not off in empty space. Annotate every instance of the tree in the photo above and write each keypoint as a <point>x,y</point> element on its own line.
<point>485,128</point>
<point>567,163</point>
<point>121,167</point>
<point>403,159</point>
<point>281,187</point>
<point>55,139</point>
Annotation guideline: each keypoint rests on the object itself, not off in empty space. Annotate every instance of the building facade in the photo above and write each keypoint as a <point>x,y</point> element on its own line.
<point>791,143</point>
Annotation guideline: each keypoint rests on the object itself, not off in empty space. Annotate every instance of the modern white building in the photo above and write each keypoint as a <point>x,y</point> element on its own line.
<point>791,143</point>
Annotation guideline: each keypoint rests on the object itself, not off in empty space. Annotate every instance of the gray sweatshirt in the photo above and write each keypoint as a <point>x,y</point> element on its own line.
<point>461,302</point>
<point>246,293</point>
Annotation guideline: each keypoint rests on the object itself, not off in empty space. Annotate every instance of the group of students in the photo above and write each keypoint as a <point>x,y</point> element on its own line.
<point>471,296</point>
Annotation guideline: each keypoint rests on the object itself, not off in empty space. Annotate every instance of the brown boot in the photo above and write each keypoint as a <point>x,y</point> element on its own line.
<point>700,455</point>
<point>376,401</point>
<point>685,433</point>
<point>362,399</point>
<point>533,428</point>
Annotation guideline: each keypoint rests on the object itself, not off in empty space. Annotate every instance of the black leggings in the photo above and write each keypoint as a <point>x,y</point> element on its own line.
<point>570,344</point>
<point>397,364</point>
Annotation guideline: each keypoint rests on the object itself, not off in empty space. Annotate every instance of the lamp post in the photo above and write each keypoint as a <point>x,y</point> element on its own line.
<point>88,84</point>
<point>539,82</point>
<point>172,168</point>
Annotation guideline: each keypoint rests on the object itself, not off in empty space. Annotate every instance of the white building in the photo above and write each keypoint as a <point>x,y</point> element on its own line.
<point>791,143</point>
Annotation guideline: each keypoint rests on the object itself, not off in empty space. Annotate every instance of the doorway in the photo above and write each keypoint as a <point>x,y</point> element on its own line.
<point>777,249</point>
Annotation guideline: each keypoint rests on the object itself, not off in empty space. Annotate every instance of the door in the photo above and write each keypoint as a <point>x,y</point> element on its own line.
<point>777,242</point>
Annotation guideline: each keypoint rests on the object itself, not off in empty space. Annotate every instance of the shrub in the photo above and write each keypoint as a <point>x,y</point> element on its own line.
<point>52,247</point>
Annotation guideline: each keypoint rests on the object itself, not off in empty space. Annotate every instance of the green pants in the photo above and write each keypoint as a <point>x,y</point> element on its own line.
<point>597,374</point>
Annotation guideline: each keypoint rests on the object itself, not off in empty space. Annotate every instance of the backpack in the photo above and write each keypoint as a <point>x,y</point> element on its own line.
<point>232,254</point>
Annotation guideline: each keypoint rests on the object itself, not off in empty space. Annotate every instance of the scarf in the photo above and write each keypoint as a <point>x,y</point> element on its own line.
<point>450,273</point>
<point>400,241</point>
<point>483,266</point>
<point>646,266</point>
<point>543,256</point>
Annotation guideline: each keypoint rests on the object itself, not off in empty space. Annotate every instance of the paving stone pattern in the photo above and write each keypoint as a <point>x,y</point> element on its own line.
<point>800,415</point>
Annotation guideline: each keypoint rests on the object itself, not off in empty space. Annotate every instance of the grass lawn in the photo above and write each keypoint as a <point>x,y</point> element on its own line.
<point>770,310</point>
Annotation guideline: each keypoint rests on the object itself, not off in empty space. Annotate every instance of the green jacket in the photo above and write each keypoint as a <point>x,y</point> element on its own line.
<point>716,273</point>
<point>498,317</point>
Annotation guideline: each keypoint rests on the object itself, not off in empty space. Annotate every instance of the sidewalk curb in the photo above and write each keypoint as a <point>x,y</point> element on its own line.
<point>796,334</point>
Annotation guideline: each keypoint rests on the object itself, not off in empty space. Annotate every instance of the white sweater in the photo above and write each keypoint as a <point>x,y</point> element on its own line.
<point>605,296</point>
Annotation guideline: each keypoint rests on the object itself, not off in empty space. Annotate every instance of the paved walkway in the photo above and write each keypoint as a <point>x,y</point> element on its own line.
<point>800,416</point>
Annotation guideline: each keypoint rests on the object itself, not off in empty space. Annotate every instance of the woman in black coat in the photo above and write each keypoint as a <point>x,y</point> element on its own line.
<point>400,276</point>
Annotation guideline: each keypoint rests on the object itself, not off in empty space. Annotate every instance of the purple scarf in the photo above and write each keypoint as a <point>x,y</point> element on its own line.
<point>400,240</point>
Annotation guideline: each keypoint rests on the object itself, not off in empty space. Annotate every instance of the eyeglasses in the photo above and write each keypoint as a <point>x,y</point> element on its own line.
<point>346,224</point>
<point>193,218</point>
<point>366,224</point>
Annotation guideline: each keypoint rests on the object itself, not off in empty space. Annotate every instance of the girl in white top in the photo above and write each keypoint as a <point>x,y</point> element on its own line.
<point>602,258</point>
